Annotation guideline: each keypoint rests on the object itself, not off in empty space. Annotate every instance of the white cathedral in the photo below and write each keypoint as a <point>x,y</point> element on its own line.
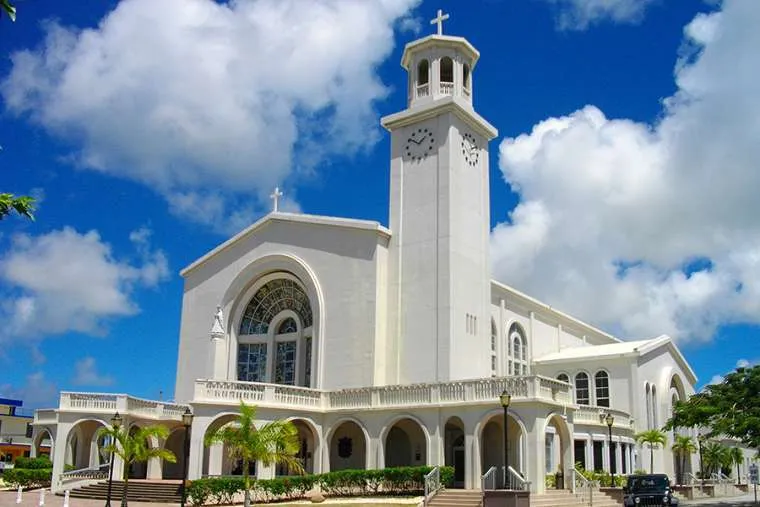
<point>390,346</point>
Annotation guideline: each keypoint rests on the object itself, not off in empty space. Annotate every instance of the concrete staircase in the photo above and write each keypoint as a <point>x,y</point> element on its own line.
<point>138,491</point>
<point>457,498</point>
<point>565,498</point>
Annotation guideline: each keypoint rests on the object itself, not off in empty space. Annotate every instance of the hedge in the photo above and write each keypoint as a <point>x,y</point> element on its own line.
<point>28,477</point>
<point>388,481</point>
<point>33,463</point>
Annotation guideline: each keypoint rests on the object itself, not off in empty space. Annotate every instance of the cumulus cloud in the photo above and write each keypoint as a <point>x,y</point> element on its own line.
<point>212,104</point>
<point>580,14</point>
<point>648,228</point>
<point>70,281</point>
<point>86,374</point>
<point>37,392</point>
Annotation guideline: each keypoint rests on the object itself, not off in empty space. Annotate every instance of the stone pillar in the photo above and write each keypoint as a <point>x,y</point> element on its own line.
<point>195,461</point>
<point>154,469</point>
<point>325,452</point>
<point>535,470</point>
<point>59,456</point>
<point>215,459</point>
<point>590,453</point>
<point>218,345</point>
<point>473,470</point>
<point>33,447</point>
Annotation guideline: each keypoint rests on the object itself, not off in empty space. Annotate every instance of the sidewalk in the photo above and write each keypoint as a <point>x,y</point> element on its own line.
<point>32,499</point>
<point>736,501</point>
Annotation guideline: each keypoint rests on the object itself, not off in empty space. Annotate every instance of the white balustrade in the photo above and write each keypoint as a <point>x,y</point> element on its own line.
<point>110,403</point>
<point>447,88</point>
<point>423,90</point>
<point>587,414</point>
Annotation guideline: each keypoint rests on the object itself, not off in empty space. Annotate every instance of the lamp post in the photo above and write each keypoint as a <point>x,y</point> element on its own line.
<point>505,398</point>
<point>610,421</point>
<point>115,424</point>
<point>187,421</point>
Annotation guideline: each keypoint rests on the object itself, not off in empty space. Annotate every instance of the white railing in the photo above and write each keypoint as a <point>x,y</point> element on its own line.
<point>583,489</point>
<point>515,481</point>
<point>432,484</point>
<point>110,403</point>
<point>381,397</point>
<point>423,90</point>
<point>447,88</point>
<point>587,414</point>
<point>97,473</point>
<point>691,479</point>
<point>488,481</point>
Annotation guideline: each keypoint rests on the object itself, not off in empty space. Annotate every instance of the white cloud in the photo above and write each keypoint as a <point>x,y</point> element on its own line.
<point>37,392</point>
<point>66,281</point>
<point>191,95</point>
<point>648,229</point>
<point>742,363</point>
<point>86,374</point>
<point>580,14</point>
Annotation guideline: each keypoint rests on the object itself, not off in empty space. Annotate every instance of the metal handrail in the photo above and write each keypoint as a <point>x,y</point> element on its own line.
<point>516,481</point>
<point>489,476</point>
<point>432,484</point>
<point>690,478</point>
<point>98,472</point>
<point>583,488</point>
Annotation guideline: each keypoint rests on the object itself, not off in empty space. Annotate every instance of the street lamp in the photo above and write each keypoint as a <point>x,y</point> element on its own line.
<point>187,421</point>
<point>505,398</point>
<point>610,421</point>
<point>115,424</point>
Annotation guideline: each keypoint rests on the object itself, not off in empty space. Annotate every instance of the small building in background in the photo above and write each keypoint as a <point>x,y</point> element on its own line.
<point>16,433</point>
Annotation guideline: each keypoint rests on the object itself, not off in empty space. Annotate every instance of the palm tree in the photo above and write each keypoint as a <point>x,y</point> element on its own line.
<point>716,456</point>
<point>737,457</point>
<point>134,447</point>
<point>275,442</point>
<point>683,447</point>
<point>654,438</point>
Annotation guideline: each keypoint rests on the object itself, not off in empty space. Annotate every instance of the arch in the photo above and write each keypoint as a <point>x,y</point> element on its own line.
<point>654,407</point>
<point>648,404</point>
<point>348,445</point>
<point>454,450</point>
<point>243,286</point>
<point>175,443</point>
<point>276,295</point>
<point>83,447</point>
<point>517,355</point>
<point>309,449</point>
<point>217,458</point>
<point>582,392</point>
<point>558,446</point>
<point>563,377</point>
<point>138,470</point>
<point>423,72</point>
<point>676,384</point>
<point>43,434</point>
<point>447,70</point>
<point>287,325</point>
<point>466,76</point>
<point>405,440</point>
<point>602,388</point>
<point>490,432</point>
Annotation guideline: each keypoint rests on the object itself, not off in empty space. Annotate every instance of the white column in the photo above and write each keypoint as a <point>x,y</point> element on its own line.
<point>59,456</point>
<point>218,356</point>
<point>589,453</point>
<point>215,459</point>
<point>33,448</point>
<point>473,469</point>
<point>195,463</point>
<point>154,469</point>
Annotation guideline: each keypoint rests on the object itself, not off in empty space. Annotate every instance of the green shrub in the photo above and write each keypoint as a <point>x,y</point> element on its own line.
<point>28,477</point>
<point>33,463</point>
<point>389,481</point>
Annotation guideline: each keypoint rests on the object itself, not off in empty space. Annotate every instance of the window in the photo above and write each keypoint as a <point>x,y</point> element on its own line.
<point>602,385</point>
<point>549,453</point>
<point>581,389</point>
<point>423,73</point>
<point>271,299</point>
<point>29,430</point>
<point>517,355</point>
<point>285,363</point>
<point>494,336</point>
<point>287,326</point>
<point>252,362</point>
<point>598,456</point>
<point>447,70</point>
<point>562,377</point>
<point>648,404</point>
<point>307,361</point>
<point>654,407</point>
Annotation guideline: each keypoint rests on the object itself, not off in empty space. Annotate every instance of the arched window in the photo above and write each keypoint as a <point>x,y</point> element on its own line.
<point>648,404</point>
<point>423,73</point>
<point>562,377</point>
<point>447,70</point>
<point>281,354</point>
<point>517,355</point>
<point>654,407</point>
<point>581,389</point>
<point>466,76</point>
<point>287,326</point>
<point>602,388</point>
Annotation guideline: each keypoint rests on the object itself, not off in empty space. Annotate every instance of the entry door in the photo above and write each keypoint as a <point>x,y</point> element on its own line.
<point>459,467</point>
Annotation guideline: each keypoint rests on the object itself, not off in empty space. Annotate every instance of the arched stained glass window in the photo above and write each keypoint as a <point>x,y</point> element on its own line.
<point>517,354</point>
<point>287,326</point>
<point>271,299</point>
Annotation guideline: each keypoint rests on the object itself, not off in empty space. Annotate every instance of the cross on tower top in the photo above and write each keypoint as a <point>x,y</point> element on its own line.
<point>275,198</point>
<point>438,20</point>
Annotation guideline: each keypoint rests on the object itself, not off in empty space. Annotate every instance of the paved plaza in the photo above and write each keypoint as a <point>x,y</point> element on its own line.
<point>32,499</point>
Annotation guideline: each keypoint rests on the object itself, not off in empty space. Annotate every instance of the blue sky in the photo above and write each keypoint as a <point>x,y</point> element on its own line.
<point>621,182</point>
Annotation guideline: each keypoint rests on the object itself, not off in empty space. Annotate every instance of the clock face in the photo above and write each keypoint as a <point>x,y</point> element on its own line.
<point>470,150</point>
<point>419,144</point>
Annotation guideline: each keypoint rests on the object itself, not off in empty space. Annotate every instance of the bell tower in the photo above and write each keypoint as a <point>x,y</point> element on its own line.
<point>439,272</point>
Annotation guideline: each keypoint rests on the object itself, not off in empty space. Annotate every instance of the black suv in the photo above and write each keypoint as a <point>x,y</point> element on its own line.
<point>648,490</point>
